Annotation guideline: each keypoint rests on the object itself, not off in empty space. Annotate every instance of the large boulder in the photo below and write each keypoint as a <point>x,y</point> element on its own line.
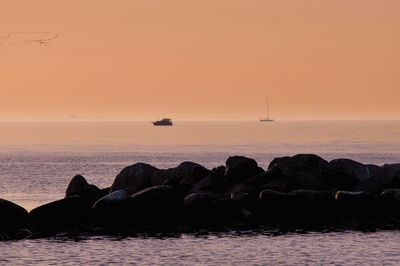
<point>274,206</point>
<point>61,214</point>
<point>350,167</point>
<point>378,183</point>
<point>219,170</point>
<point>392,194</point>
<point>391,170</point>
<point>239,168</point>
<point>359,205</point>
<point>79,185</point>
<point>273,180</point>
<point>197,208</point>
<point>134,178</point>
<point>312,207</point>
<point>211,182</point>
<point>160,176</point>
<point>311,172</point>
<point>381,178</point>
<point>158,205</point>
<point>389,201</point>
<point>185,175</point>
<point>112,199</point>
<point>13,217</point>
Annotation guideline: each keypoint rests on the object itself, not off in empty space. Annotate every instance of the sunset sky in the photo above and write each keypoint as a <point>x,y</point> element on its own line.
<point>208,59</point>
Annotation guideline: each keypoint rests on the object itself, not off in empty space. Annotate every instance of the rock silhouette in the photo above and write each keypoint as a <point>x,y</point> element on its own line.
<point>303,191</point>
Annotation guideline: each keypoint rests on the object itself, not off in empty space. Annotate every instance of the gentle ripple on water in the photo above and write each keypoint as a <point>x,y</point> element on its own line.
<point>337,248</point>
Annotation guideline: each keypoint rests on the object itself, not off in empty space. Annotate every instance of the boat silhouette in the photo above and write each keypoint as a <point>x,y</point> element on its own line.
<point>163,122</point>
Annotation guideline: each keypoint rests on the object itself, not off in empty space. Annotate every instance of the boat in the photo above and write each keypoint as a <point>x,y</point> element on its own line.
<point>266,119</point>
<point>163,122</point>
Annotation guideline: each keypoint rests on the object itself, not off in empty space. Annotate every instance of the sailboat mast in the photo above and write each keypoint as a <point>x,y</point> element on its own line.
<point>266,104</point>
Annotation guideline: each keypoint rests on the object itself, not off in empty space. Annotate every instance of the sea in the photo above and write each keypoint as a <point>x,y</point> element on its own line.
<point>39,158</point>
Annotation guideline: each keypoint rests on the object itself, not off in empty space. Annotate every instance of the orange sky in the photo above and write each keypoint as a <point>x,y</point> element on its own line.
<point>201,59</point>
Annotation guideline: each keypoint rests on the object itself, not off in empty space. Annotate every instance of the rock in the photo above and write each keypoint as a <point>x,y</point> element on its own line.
<point>111,211</point>
<point>219,171</point>
<point>197,207</point>
<point>377,184</point>
<point>158,205</point>
<point>224,211</point>
<point>271,180</point>
<point>210,182</point>
<point>242,188</point>
<point>351,195</point>
<point>79,185</point>
<point>239,196</point>
<point>392,194</point>
<point>275,207</point>
<point>185,175</point>
<point>391,170</point>
<point>358,205</point>
<point>350,167</point>
<point>239,168</point>
<point>390,203</point>
<point>160,176</point>
<point>311,172</point>
<point>61,214</point>
<point>134,178</point>
<point>13,217</point>
<point>386,176</point>
<point>312,207</point>
<point>112,199</point>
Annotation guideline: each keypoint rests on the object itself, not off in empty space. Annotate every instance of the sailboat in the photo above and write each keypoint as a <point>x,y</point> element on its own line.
<point>266,119</point>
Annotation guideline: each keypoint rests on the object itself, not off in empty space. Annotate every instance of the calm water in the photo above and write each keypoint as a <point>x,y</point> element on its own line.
<point>37,160</point>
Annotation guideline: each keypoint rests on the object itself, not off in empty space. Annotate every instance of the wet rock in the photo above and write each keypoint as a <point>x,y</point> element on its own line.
<point>60,214</point>
<point>239,168</point>
<point>134,178</point>
<point>12,217</point>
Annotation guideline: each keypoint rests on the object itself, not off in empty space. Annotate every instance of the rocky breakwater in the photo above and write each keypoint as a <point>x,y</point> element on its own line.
<point>299,192</point>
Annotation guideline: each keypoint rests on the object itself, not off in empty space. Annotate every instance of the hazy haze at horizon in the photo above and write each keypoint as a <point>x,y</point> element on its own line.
<point>199,59</point>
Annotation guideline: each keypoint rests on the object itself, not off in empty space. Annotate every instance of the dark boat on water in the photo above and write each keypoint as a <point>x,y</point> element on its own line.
<point>163,122</point>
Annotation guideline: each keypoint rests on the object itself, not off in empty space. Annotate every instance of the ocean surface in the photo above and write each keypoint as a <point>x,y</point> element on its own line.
<point>38,159</point>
